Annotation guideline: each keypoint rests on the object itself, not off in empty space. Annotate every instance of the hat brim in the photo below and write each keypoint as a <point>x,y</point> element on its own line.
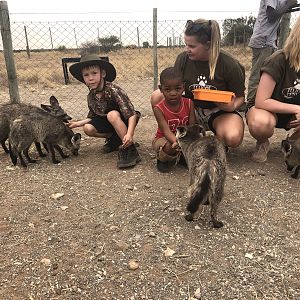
<point>76,69</point>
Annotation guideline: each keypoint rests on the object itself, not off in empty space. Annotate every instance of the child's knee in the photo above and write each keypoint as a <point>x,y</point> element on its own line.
<point>89,129</point>
<point>113,116</point>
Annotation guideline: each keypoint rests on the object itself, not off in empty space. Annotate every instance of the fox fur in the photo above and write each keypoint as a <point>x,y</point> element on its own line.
<point>43,128</point>
<point>291,152</point>
<point>11,111</point>
<point>206,160</point>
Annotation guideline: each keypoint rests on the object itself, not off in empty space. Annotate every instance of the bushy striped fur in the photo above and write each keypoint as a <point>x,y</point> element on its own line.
<point>206,159</point>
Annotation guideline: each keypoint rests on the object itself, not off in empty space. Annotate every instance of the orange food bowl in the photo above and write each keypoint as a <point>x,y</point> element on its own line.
<point>213,95</point>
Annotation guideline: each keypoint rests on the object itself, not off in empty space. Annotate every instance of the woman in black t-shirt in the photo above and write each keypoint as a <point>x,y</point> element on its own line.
<point>277,102</point>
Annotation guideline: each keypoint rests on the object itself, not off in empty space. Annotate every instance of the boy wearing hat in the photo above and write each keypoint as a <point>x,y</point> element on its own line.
<point>111,114</point>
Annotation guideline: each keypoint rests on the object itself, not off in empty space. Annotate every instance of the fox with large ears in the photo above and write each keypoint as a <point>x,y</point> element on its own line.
<point>291,152</point>
<point>206,159</point>
<point>11,111</point>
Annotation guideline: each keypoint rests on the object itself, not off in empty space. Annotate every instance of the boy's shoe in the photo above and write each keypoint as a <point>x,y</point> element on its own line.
<point>111,144</point>
<point>261,152</point>
<point>165,166</point>
<point>128,157</point>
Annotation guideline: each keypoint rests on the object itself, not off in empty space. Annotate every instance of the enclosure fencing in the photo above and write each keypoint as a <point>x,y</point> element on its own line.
<point>138,49</point>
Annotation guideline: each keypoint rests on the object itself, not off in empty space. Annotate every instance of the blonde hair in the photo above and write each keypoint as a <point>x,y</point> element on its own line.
<point>291,47</point>
<point>211,33</point>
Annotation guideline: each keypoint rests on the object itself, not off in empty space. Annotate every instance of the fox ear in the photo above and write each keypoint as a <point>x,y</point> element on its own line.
<point>76,137</point>
<point>45,107</point>
<point>286,146</point>
<point>53,101</point>
<point>181,131</point>
<point>197,128</point>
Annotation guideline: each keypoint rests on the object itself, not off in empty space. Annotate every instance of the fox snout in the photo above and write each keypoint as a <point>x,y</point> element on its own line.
<point>75,141</point>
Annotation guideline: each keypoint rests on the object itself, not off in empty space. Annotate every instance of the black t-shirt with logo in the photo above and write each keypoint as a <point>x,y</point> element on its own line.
<point>229,76</point>
<point>287,88</point>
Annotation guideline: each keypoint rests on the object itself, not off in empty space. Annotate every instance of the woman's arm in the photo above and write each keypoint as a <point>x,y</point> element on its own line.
<point>234,104</point>
<point>264,101</point>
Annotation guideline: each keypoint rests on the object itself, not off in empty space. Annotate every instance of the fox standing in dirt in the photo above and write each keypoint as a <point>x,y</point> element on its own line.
<point>206,159</point>
<point>43,128</point>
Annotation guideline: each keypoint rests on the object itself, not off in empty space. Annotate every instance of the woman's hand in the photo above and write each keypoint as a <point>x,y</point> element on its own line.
<point>229,107</point>
<point>295,123</point>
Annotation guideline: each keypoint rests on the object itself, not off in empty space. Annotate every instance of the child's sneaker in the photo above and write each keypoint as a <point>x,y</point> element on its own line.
<point>128,157</point>
<point>261,152</point>
<point>111,144</point>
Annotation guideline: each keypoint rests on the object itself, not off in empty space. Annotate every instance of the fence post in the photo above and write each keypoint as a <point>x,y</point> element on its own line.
<point>138,38</point>
<point>8,53</point>
<point>284,29</point>
<point>155,66</point>
<point>51,37</point>
<point>27,43</point>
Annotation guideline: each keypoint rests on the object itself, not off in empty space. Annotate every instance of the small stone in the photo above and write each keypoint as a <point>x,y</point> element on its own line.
<point>46,262</point>
<point>197,293</point>
<point>121,246</point>
<point>133,265</point>
<point>129,187</point>
<point>169,252</point>
<point>249,255</point>
<point>57,196</point>
<point>152,234</point>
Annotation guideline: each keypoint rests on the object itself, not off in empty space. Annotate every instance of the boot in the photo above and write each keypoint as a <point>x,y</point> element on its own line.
<point>112,144</point>
<point>128,157</point>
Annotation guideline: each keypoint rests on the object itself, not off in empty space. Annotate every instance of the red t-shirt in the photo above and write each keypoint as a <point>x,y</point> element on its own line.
<point>174,119</point>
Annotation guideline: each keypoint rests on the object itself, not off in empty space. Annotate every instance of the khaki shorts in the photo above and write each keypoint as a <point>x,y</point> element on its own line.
<point>158,144</point>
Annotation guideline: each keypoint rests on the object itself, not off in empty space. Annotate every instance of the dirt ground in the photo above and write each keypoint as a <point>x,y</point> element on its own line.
<point>83,229</point>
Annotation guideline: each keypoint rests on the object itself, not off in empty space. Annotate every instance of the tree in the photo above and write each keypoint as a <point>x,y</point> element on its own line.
<point>237,31</point>
<point>146,45</point>
<point>89,47</point>
<point>109,43</point>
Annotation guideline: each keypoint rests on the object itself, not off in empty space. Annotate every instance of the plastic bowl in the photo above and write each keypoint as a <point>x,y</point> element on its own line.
<point>213,95</point>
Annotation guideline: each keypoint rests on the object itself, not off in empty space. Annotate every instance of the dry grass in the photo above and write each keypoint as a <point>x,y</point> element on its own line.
<point>45,68</point>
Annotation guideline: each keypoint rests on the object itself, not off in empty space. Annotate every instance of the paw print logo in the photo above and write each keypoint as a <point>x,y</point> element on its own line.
<point>202,81</point>
<point>297,84</point>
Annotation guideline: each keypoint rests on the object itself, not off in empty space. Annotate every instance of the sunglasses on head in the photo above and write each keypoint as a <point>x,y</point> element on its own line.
<point>192,28</point>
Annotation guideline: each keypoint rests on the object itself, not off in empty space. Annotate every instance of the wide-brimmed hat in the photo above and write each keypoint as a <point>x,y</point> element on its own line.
<point>91,60</point>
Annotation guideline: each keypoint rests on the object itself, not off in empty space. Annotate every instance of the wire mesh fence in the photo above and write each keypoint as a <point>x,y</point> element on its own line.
<point>40,47</point>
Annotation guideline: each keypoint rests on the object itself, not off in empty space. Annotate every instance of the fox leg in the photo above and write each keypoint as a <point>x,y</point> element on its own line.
<point>52,152</point>
<point>214,203</point>
<point>296,172</point>
<point>39,149</point>
<point>60,151</point>
<point>29,159</point>
<point>4,147</point>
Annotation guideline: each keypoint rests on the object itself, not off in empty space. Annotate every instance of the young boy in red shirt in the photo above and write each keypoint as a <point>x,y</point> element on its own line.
<point>173,111</point>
